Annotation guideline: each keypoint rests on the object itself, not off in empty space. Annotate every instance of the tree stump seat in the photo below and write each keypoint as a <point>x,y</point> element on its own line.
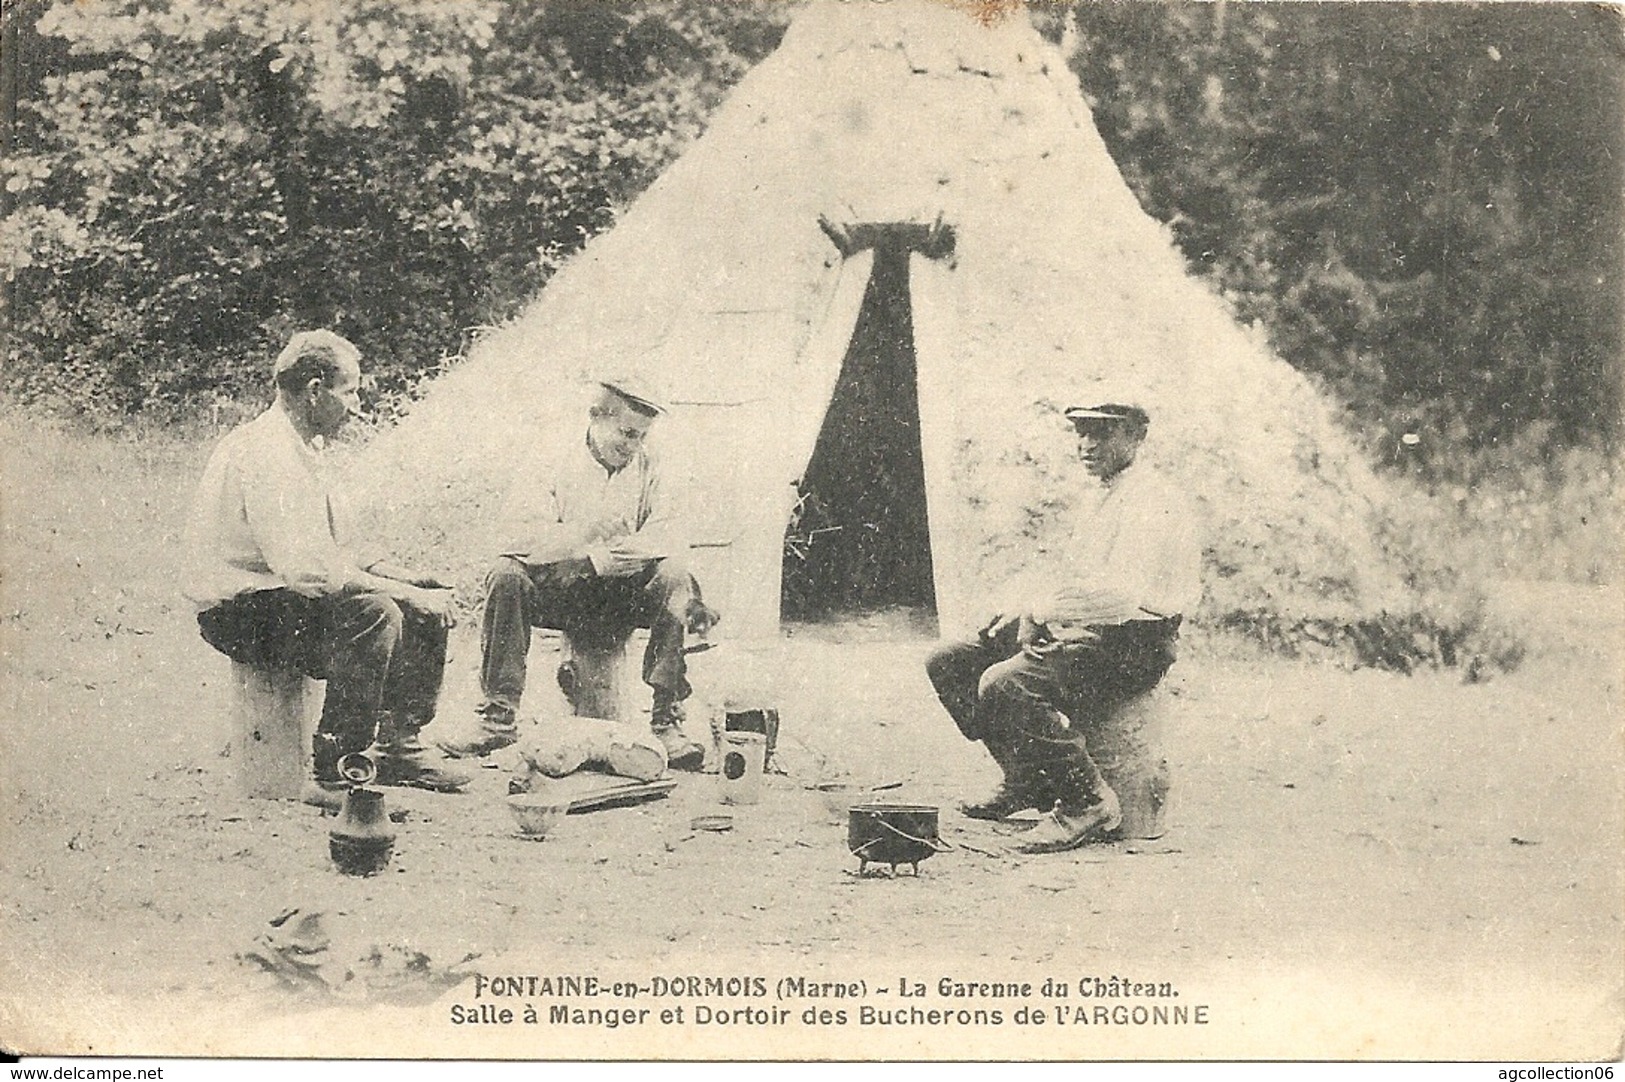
<point>592,676</point>
<point>1128,748</point>
<point>274,714</point>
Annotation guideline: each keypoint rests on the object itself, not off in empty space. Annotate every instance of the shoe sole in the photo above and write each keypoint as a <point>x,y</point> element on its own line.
<point>479,752</point>
<point>413,783</point>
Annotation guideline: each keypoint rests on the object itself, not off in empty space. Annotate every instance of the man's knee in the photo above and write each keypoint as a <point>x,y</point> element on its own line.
<point>1010,681</point>
<point>369,622</point>
<point>994,683</point>
<point>672,589</point>
<point>671,578</point>
<point>507,576</point>
<point>947,665</point>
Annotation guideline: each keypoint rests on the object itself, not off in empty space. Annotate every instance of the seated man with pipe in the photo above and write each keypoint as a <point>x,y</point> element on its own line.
<point>1041,673</point>
<point>589,548</point>
<point>278,585</point>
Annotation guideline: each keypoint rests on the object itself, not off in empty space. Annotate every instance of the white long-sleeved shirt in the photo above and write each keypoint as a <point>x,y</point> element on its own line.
<point>266,515</point>
<point>563,504</point>
<point>1135,555</point>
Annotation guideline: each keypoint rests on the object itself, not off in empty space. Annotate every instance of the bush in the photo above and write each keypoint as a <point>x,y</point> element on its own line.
<point>1420,203</point>
<point>1517,516</point>
<point>187,182</point>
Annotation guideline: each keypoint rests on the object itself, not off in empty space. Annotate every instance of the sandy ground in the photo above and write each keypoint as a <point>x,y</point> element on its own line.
<point>1360,864</point>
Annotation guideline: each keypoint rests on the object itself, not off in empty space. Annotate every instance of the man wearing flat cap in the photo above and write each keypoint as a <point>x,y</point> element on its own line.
<point>279,583</point>
<point>1045,671</point>
<point>590,548</point>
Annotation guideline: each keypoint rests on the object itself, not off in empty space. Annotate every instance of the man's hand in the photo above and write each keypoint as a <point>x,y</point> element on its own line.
<point>994,627</point>
<point>607,530</point>
<point>618,561</point>
<point>1028,629</point>
<point>550,545</point>
<point>435,603</point>
<point>410,588</point>
<point>699,618</point>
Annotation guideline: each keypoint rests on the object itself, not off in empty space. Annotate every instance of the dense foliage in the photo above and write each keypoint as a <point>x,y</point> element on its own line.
<point>187,180</point>
<point>1421,203</point>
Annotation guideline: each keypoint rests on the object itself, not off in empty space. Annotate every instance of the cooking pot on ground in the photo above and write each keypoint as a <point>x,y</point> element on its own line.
<point>893,834</point>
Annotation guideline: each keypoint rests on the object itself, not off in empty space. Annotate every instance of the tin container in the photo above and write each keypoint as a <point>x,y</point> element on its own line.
<point>739,776</point>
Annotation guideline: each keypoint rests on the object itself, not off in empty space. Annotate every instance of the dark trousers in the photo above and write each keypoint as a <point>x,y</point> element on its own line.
<point>380,659</point>
<point>1035,707</point>
<point>593,610</point>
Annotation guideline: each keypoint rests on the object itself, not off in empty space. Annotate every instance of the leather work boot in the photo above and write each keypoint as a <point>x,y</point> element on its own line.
<point>1062,830</point>
<point>1005,801</point>
<point>324,795</point>
<point>666,722</point>
<point>494,731</point>
<point>404,761</point>
<point>1023,787</point>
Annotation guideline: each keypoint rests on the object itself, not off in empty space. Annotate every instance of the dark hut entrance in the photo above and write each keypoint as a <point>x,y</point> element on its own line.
<point>860,542</point>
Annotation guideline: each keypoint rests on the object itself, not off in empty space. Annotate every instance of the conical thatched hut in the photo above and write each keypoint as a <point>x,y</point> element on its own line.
<point>935,187</point>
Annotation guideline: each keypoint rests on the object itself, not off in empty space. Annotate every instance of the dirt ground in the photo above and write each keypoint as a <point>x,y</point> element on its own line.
<point>1359,864</point>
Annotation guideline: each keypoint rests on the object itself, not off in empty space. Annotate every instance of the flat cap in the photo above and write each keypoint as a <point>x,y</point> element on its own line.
<point>635,390</point>
<point>1108,412</point>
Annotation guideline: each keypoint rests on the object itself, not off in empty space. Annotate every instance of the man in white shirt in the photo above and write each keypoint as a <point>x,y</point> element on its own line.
<point>1041,674</point>
<point>589,548</point>
<point>278,585</point>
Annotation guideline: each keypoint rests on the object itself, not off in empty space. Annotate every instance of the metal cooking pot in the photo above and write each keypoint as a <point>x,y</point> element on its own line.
<point>893,834</point>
